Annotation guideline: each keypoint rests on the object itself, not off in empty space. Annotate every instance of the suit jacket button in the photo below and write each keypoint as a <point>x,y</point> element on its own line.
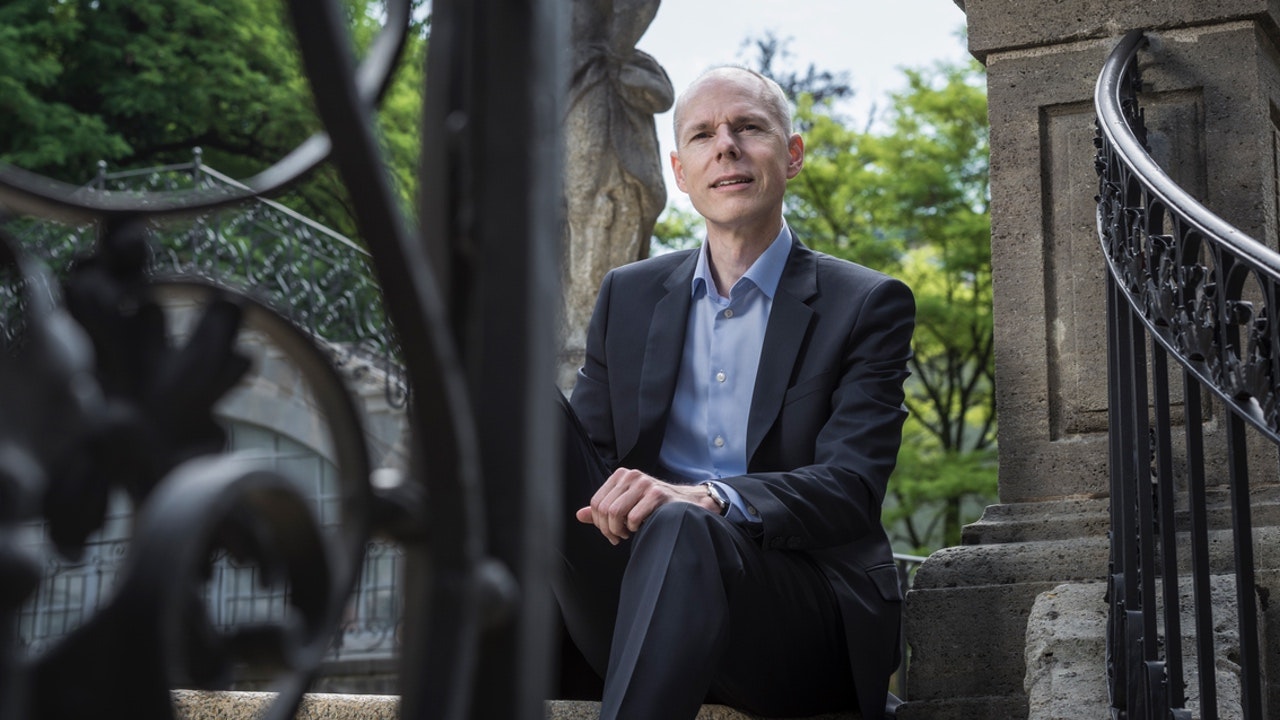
<point>752,511</point>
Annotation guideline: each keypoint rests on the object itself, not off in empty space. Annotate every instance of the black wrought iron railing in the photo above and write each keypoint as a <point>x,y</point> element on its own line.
<point>1192,361</point>
<point>72,590</point>
<point>98,400</point>
<point>316,277</point>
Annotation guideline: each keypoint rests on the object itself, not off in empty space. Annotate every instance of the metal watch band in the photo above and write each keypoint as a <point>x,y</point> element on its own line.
<point>718,496</point>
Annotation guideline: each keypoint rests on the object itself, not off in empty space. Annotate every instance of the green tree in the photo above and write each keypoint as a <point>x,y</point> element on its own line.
<point>139,83</point>
<point>910,197</point>
<point>933,168</point>
<point>676,229</point>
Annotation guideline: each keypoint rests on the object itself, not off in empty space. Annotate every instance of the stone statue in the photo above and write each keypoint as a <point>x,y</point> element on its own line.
<point>613,174</point>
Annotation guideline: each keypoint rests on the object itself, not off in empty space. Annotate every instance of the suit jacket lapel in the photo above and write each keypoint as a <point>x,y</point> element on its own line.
<point>663,351</point>
<point>788,322</point>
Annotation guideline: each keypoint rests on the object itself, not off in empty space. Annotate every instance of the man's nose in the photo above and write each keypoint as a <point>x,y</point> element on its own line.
<point>727,144</point>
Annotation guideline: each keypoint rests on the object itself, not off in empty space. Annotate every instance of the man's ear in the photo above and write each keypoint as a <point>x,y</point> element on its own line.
<point>677,170</point>
<point>795,155</point>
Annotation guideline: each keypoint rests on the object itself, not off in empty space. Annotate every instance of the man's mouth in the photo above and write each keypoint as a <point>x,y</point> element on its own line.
<point>730,181</point>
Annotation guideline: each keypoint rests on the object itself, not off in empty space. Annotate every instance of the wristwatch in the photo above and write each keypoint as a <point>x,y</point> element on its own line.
<point>721,501</point>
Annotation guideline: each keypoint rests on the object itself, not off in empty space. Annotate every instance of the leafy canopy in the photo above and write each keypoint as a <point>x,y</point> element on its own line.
<point>913,200</point>
<point>139,83</point>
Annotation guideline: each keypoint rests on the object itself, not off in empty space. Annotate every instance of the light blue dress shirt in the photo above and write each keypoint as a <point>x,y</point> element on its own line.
<point>706,436</point>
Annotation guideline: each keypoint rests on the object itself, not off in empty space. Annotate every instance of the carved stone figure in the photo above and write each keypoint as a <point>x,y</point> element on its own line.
<point>613,174</point>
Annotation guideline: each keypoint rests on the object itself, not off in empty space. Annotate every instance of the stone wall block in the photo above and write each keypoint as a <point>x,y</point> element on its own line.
<point>1007,25</point>
<point>1066,650</point>
<point>1065,653</point>
<point>968,609</point>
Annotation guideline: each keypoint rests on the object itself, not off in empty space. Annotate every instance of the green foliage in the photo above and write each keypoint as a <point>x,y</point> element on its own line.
<point>935,492</point>
<point>835,203</point>
<point>676,229</point>
<point>139,83</point>
<point>911,198</point>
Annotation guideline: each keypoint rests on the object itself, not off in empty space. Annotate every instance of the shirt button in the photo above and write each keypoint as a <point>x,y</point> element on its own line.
<point>728,313</point>
<point>719,441</point>
<point>720,376</point>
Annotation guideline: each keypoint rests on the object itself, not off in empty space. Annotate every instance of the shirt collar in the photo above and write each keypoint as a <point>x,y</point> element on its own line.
<point>765,273</point>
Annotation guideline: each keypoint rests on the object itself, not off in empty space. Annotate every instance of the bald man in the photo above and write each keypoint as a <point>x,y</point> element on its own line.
<point>731,435</point>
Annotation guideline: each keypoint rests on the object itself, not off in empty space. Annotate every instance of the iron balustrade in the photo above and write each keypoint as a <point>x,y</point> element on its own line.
<point>71,591</point>
<point>1182,285</point>
<point>313,275</point>
<point>96,399</point>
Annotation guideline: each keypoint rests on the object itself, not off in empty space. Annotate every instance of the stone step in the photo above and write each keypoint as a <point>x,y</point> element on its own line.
<point>585,710</point>
<point>1066,649</point>
<point>235,705</point>
<point>220,705</point>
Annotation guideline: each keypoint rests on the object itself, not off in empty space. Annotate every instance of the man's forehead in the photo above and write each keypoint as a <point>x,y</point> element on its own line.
<point>700,118</point>
<point>710,103</point>
<point>728,92</point>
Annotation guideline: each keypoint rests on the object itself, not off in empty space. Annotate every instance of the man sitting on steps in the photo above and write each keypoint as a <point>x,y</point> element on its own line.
<point>730,436</point>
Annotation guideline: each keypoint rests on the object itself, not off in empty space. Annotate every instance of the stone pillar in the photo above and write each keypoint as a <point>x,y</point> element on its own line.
<point>1212,79</point>
<point>614,190</point>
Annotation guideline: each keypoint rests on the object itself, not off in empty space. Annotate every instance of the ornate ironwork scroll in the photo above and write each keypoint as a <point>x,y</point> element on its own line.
<point>97,396</point>
<point>1182,284</point>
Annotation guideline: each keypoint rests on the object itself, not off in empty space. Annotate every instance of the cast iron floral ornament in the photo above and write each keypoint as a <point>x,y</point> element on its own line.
<point>98,396</point>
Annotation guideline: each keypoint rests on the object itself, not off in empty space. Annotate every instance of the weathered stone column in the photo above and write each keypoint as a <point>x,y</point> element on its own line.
<point>1212,74</point>
<point>613,174</point>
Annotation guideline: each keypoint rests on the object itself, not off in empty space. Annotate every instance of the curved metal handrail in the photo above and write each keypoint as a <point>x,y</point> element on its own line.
<point>1231,248</point>
<point>1182,283</point>
<point>1131,150</point>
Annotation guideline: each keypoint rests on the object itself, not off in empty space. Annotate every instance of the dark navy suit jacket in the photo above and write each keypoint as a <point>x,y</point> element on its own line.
<point>824,427</point>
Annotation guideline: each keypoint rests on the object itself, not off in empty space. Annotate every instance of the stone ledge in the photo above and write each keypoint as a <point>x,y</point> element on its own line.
<point>1014,563</point>
<point>1001,25</point>
<point>219,705</point>
<point>585,710</point>
<point>205,705</point>
<point>967,708</point>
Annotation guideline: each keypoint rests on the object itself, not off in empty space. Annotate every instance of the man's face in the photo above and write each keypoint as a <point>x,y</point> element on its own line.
<point>732,156</point>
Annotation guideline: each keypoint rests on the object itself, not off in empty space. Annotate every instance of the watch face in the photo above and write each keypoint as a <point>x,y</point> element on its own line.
<point>719,497</point>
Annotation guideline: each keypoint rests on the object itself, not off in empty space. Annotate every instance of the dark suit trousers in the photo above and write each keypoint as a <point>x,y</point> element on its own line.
<point>691,609</point>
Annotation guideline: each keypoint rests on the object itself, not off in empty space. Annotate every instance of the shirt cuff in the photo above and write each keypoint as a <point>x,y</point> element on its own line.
<point>737,506</point>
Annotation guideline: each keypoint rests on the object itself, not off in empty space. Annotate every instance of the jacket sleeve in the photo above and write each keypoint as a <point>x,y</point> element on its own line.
<point>821,475</point>
<point>590,398</point>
